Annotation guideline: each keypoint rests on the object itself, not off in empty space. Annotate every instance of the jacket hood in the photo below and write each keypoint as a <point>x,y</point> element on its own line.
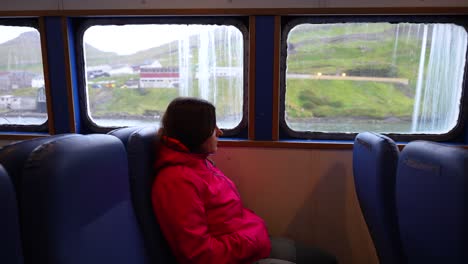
<point>171,152</point>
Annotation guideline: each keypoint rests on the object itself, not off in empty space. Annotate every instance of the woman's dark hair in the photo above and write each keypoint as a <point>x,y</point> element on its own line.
<point>189,120</point>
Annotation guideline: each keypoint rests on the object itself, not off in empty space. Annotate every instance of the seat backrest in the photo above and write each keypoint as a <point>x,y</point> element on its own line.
<point>10,240</point>
<point>375,160</point>
<point>432,202</point>
<point>124,133</point>
<point>13,156</point>
<point>141,143</point>
<point>76,204</point>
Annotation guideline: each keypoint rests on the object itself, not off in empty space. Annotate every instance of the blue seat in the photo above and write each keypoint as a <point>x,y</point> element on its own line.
<point>432,203</point>
<point>10,240</point>
<point>375,160</point>
<point>13,156</point>
<point>76,205</point>
<point>124,133</point>
<point>140,143</point>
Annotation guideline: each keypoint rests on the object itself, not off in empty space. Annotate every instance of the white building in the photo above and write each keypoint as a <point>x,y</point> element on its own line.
<point>10,102</point>
<point>38,81</point>
<point>121,71</point>
<point>159,77</point>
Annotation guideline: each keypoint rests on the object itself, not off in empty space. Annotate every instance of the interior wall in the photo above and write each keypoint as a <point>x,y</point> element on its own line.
<point>183,4</point>
<point>307,195</point>
<point>5,142</point>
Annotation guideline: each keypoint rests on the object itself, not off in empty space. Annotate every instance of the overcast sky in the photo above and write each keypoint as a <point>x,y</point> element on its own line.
<point>129,39</point>
<point>123,40</point>
<point>8,33</point>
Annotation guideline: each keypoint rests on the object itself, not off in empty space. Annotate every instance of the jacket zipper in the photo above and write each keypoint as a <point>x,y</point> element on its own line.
<point>233,188</point>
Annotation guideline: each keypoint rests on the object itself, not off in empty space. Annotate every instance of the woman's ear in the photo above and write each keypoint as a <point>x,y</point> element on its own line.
<point>160,132</point>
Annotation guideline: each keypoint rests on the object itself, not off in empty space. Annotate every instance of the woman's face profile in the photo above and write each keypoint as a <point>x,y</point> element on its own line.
<point>210,145</point>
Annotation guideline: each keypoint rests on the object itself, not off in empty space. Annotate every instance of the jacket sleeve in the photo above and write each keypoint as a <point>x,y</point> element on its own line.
<point>182,217</point>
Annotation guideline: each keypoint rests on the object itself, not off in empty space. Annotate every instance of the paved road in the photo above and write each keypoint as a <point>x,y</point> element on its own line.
<point>349,78</point>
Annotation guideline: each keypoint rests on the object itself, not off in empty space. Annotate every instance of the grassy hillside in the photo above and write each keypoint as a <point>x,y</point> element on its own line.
<point>336,50</point>
<point>151,101</point>
<point>370,50</point>
<point>330,98</point>
<point>108,101</point>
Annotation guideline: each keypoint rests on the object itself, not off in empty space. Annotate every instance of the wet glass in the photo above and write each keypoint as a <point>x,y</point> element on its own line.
<point>22,90</point>
<point>388,78</point>
<point>134,71</point>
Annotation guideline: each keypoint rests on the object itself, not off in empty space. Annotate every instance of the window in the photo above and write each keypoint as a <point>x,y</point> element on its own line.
<point>134,69</point>
<point>401,78</point>
<point>22,91</point>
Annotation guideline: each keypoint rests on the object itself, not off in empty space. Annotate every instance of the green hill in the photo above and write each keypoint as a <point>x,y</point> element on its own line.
<point>22,53</point>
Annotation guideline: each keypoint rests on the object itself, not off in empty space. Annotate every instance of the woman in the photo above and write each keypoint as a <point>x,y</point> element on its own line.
<point>198,208</point>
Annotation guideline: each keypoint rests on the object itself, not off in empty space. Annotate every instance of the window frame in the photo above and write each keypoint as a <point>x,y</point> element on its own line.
<point>32,22</point>
<point>82,24</point>
<point>457,134</point>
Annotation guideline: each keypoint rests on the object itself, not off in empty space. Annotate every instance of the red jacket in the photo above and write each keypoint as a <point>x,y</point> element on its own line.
<point>201,214</point>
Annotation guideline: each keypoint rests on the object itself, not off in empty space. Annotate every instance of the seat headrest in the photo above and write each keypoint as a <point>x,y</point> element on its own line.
<point>371,142</point>
<point>375,160</point>
<point>124,133</point>
<point>431,188</point>
<point>76,202</point>
<point>10,241</point>
<point>13,156</point>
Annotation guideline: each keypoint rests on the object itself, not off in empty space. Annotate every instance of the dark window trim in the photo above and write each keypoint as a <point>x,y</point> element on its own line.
<point>457,134</point>
<point>39,128</point>
<point>82,24</point>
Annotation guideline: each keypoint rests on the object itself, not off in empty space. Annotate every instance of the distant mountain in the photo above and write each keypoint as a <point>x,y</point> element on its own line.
<point>95,56</point>
<point>26,38</point>
<point>93,52</point>
<point>28,55</point>
<point>21,52</point>
<point>166,54</point>
<point>24,53</point>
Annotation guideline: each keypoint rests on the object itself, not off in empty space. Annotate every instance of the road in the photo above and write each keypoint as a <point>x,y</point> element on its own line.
<point>348,78</point>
